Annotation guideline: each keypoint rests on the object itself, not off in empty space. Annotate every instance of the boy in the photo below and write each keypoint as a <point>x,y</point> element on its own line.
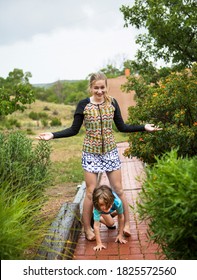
<point>107,205</point>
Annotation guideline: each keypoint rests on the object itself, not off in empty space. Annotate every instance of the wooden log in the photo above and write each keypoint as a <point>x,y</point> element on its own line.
<point>63,234</point>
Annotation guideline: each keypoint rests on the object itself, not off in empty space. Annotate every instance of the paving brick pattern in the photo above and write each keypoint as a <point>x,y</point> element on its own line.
<point>138,246</point>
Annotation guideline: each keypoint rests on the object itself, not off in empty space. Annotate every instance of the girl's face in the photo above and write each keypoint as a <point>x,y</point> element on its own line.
<point>103,207</point>
<point>98,90</point>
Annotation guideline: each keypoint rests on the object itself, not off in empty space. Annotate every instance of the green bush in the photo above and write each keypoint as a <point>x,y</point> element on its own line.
<point>37,116</point>
<point>22,164</point>
<point>42,115</point>
<point>168,202</point>
<point>173,106</point>
<point>55,122</point>
<point>12,123</point>
<point>34,116</point>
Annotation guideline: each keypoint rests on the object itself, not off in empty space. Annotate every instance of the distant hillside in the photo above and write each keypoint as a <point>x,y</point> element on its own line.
<point>47,85</point>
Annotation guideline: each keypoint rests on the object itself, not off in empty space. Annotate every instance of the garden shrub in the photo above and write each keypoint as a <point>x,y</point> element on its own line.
<point>168,202</point>
<point>22,164</point>
<point>24,174</point>
<point>173,106</point>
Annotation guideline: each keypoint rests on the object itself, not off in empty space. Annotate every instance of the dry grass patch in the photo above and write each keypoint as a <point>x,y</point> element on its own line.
<point>61,111</point>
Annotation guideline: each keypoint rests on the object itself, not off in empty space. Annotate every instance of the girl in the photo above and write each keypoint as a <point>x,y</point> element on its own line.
<point>99,154</point>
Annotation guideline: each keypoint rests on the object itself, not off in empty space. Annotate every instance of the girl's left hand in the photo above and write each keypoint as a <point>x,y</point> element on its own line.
<point>151,127</point>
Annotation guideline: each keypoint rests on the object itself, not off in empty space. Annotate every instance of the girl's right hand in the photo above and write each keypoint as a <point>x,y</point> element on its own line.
<point>45,136</point>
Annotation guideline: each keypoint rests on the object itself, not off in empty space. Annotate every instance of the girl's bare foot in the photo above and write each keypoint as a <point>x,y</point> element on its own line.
<point>126,231</point>
<point>90,236</point>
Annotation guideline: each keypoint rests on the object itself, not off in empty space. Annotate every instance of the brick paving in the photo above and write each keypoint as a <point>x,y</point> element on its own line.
<point>138,246</point>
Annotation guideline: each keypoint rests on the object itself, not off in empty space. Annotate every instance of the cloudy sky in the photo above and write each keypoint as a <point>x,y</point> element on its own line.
<point>63,39</point>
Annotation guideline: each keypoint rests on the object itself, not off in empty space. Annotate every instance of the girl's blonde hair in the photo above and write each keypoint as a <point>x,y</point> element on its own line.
<point>105,193</point>
<point>96,77</point>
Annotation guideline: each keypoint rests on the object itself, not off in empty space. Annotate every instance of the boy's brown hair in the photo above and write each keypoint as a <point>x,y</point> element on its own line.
<point>105,193</point>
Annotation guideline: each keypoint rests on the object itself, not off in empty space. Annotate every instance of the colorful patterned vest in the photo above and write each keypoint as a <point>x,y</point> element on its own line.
<point>98,119</point>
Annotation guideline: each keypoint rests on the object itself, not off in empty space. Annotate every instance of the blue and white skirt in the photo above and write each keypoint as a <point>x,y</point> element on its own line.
<point>101,163</point>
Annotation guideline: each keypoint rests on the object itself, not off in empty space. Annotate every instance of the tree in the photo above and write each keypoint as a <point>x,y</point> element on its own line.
<point>171,29</point>
<point>58,90</point>
<point>15,92</point>
<point>143,73</point>
<point>172,105</point>
<point>111,71</point>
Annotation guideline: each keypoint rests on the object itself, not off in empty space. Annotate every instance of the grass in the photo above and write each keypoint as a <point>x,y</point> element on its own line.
<point>61,111</point>
<point>18,216</point>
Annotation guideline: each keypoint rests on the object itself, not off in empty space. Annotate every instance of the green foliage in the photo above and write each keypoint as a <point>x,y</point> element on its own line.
<point>21,164</point>
<point>172,104</point>
<point>143,73</point>
<point>20,228</point>
<point>38,116</point>
<point>111,71</point>
<point>33,116</point>
<point>44,122</point>
<point>55,122</point>
<point>170,26</point>
<point>9,123</point>
<point>15,92</point>
<point>24,175</point>
<point>63,92</point>
<point>168,202</point>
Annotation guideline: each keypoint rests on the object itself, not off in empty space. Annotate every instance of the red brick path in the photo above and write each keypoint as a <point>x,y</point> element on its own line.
<point>138,247</point>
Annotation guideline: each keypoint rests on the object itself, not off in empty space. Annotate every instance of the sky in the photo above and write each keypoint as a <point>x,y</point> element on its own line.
<point>63,39</point>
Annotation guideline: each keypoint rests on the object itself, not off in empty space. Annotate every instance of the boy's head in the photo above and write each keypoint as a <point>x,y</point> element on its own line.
<point>103,198</point>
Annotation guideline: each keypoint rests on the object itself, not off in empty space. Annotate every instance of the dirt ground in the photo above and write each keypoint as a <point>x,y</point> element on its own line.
<point>57,195</point>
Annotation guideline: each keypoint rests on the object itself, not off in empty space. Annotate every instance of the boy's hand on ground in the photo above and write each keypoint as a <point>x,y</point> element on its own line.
<point>99,247</point>
<point>120,239</point>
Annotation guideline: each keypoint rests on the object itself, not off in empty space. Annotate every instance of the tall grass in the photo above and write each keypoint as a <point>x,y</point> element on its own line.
<point>24,176</point>
<point>20,228</point>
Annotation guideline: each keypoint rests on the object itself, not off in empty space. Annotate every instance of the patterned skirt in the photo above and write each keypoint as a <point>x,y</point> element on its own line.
<point>101,163</point>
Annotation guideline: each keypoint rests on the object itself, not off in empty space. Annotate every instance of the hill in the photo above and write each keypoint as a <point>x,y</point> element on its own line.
<point>48,85</point>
